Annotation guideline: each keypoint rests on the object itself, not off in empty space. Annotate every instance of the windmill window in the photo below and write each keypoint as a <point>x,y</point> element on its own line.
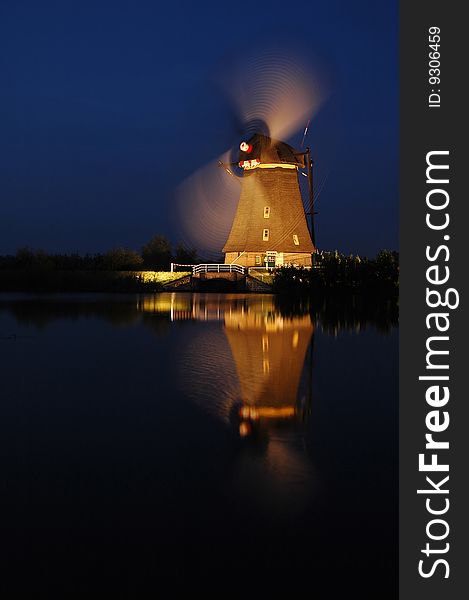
<point>296,241</point>
<point>294,342</point>
<point>265,235</point>
<point>266,212</point>
<point>258,260</point>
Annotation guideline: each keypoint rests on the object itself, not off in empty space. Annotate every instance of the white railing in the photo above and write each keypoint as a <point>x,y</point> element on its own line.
<point>217,268</point>
<point>176,266</point>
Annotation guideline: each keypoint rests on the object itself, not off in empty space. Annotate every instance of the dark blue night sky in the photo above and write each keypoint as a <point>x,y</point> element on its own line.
<point>104,110</point>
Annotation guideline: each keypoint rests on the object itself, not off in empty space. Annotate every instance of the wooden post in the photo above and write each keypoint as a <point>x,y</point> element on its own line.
<point>311,196</point>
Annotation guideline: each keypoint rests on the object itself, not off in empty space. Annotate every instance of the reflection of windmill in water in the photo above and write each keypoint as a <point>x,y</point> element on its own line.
<point>250,374</point>
<point>253,208</point>
<point>269,352</point>
<point>255,362</point>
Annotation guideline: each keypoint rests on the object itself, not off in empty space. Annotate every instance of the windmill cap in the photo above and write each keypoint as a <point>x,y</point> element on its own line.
<point>268,150</point>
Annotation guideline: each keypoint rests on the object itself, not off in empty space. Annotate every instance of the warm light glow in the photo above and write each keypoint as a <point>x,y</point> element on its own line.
<point>276,86</point>
<point>249,164</point>
<point>277,166</point>
<point>267,412</point>
<point>245,147</point>
<point>256,164</point>
<point>296,337</point>
<point>154,276</point>
<point>206,204</point>
<point>244,429</point>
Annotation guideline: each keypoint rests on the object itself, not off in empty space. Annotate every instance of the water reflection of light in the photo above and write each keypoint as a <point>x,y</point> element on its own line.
<point>247,373</point>
<point>268,363</point>
<point>243,366</point>
<point>254,361</point>
<point>178,307</point>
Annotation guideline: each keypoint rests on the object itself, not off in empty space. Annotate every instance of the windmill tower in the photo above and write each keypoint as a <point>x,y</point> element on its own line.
<point>255,215</point>
<point>270,227</point>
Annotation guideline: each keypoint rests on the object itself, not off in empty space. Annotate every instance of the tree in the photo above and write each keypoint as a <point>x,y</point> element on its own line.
<point>387,264</point>
<point>122,259</point>
<point>26,258</point>
<point>184,255</point>
<point>157,253</point>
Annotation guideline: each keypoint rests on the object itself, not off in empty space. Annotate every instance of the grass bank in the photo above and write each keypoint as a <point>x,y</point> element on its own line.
<point>44,280</point>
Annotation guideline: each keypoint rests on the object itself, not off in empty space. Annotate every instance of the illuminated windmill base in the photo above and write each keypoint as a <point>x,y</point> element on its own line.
<point>269,228</point>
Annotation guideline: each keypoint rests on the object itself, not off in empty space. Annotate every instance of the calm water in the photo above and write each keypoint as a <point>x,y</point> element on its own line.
<point>201,438</point>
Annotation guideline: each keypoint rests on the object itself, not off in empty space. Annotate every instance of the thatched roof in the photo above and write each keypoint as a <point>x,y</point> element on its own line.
<point>278,189</point>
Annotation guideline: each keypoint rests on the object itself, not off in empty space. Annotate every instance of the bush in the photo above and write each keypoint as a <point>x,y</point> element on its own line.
<point>335,271</point>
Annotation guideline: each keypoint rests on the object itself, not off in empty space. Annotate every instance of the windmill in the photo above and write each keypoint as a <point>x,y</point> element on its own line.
<point>270,227</point>
<point>252,209</point>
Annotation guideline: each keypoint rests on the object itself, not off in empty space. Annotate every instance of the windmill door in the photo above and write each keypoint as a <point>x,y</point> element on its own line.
<point>270,259</point>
